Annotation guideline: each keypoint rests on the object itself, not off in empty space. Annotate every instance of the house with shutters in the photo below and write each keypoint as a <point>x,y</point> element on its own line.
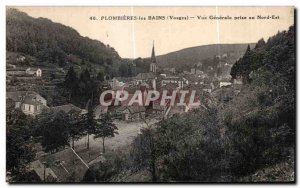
<point>29,102</point>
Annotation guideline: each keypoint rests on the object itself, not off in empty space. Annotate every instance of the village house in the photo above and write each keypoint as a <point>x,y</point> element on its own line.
<point>11,66</point>
<point>113,83</point>
<point>198,67</point>
<point>121,81</point>
<point>173,80</point>
<point>21,59</point>
<point>194,80</point>
<point>29,102</point>
<point>61,166</point>
<point>146,78</point>
<point>132,113</point>
<point>34,71</point>
<point>225,84</point>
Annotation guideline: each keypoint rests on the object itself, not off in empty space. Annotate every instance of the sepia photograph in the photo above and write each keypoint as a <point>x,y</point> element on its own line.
<point>150,94</point>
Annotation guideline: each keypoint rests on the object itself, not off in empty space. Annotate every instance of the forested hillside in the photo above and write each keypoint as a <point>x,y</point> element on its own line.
<point>55,43</point>
<point>272,65</point>
<point>276,56</point>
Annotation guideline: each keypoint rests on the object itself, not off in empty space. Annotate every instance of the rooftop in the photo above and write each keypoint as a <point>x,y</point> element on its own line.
<point>66,108</point>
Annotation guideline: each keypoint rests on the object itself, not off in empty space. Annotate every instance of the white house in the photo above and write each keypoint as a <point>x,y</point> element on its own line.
<point>29,102</point>
<point>21,59</point>
<point>173,80</point>
<point>224,84</point>
<point>34,71</point>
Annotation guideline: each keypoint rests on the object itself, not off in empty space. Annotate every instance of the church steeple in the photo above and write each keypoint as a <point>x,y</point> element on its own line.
<point>153,58</point>
<point>153,65</point>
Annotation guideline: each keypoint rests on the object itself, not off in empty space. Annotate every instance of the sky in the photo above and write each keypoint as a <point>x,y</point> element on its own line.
<point>132,39</point>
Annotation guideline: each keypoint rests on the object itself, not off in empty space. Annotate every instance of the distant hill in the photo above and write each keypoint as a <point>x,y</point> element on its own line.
<point>187,57</point>
<point>55,43</point>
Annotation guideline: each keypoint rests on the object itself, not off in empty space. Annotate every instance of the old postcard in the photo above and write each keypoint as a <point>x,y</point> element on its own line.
<point>150,94</point>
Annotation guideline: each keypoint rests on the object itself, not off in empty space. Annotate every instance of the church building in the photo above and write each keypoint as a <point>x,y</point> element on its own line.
<point>153,65</point>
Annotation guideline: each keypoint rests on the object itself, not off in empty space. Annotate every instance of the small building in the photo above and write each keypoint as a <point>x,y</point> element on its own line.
<point>132,113</point>
<point>146,78</point>
<point>29,102</point>
<point>11,66</point>
<point>30,105</point>
<point>113,83</point>
<point>225,84</point>
<point>34,71</point>
<point>62,166</point>
<point>42,171</point>
<point>173,80</point>
<point>21,59</point>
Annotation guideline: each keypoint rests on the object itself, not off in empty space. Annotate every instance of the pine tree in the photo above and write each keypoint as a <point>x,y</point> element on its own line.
<point>71,82</point>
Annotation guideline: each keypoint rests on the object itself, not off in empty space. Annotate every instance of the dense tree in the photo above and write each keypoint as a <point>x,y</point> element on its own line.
<point>80,90</point>
<point>183,148</point>
<point>144,152</point>
<point>71,82</point>
<point>56,129</point>
<point>53,130</point>
<point>100,76</point>
<point>19,149</point>
<point>105,170</point>
<point>70,79</point>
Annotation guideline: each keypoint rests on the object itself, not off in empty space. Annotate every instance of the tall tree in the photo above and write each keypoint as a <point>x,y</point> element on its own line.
<point>100,76</point>
<point>89,122</point>
<point>75,126</point>
<point>71,82</point>
<point>105,128</point>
